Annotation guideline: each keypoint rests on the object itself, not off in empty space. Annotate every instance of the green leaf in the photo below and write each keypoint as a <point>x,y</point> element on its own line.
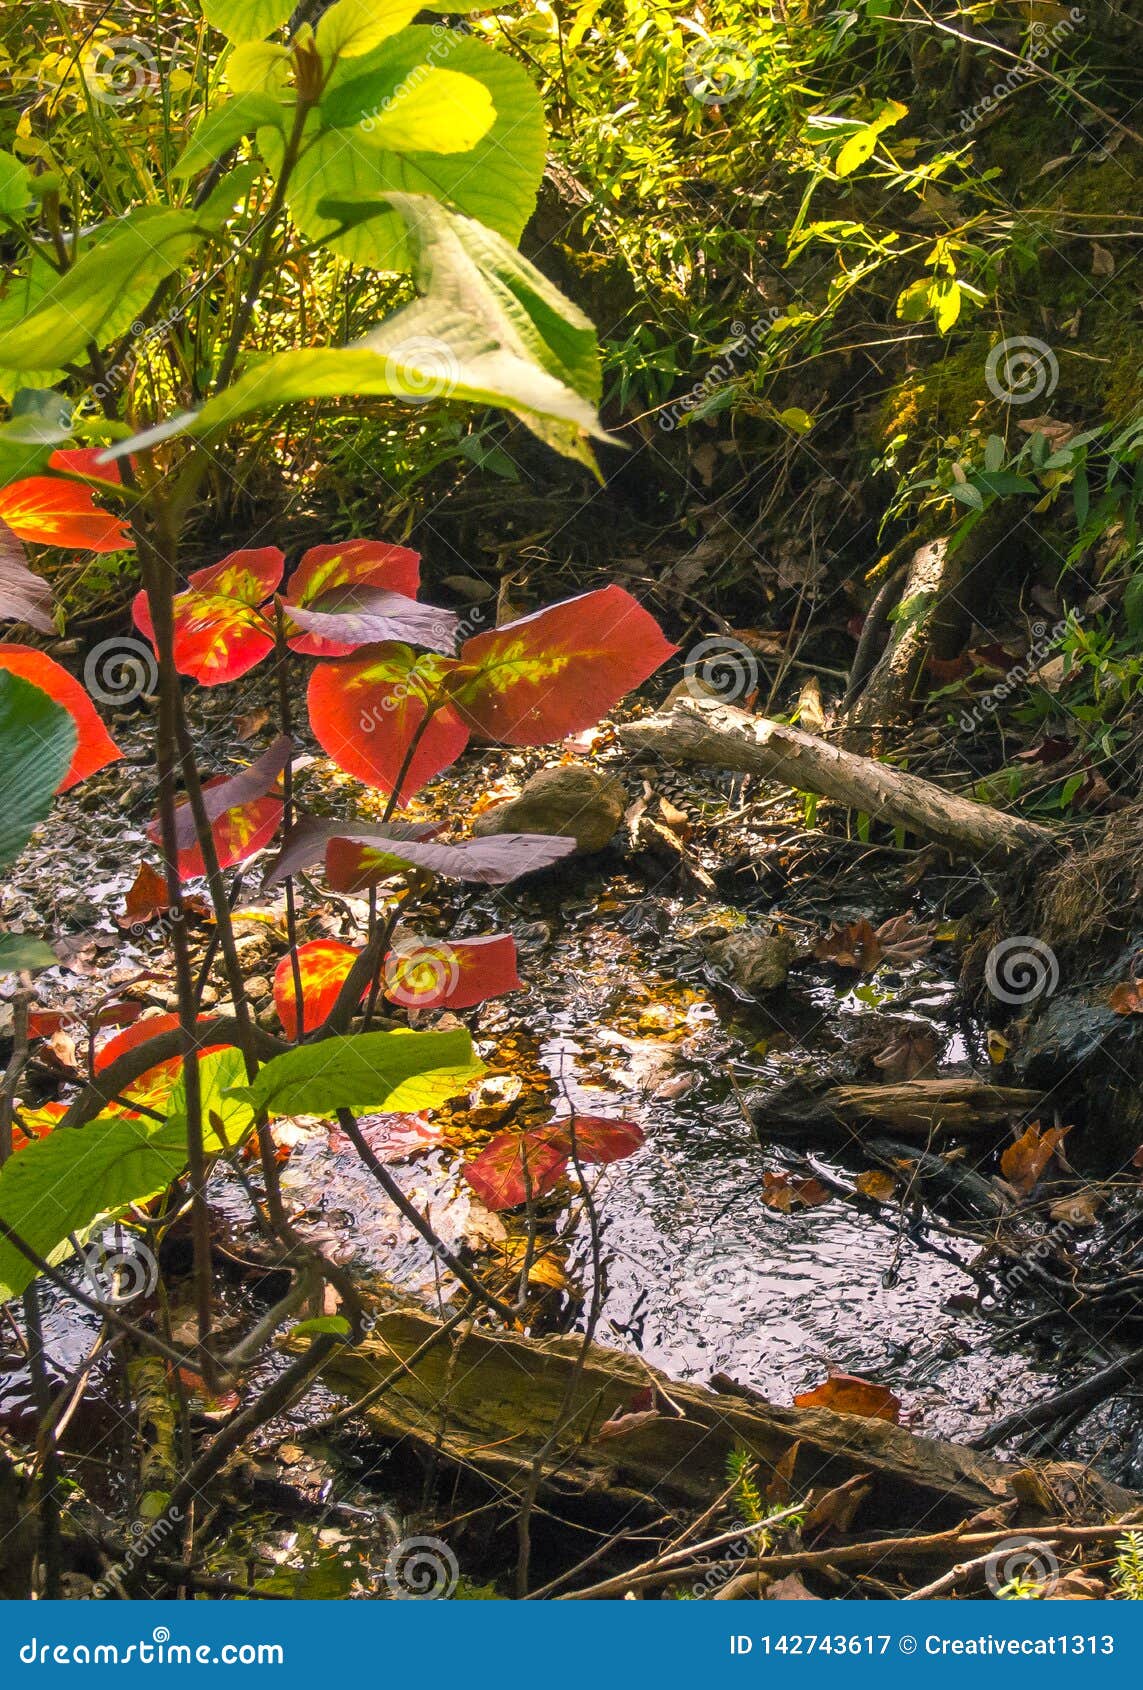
<point>352,27</point>
<point>438,112</point>
<point>495,182</point>
<point>37,739</point>
<point>1003,483</point>
<point>1133,606</point>
<point>226,124</point>
<point>490,330</point>
<point>247,20</point>
<point>968,495</point>
<point>62,1183</point>
<point>15,187</point>
<point>335,1325</point>
<point>20,951</point>
<point>362,1071</point>
<point>221,1074</point>
<point>993,453</point>
<point>146,246</point>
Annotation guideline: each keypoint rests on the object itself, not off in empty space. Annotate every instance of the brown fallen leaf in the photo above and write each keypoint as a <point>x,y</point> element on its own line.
<point>1076,1586</point>
<point>789,1589</point>
<point>253,722</point>
<point>1080,1209</point>
<point>783,1192</point>
<point>859,945</point>
<point>1024,1162</point>
<point>846,1393</point>
<point>851,944</point>
<point>876,1183</point>
<point>909,1053</point>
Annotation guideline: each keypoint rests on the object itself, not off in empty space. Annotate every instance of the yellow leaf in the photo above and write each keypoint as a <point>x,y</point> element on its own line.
<point>795,419</point>
<point>439,111</point>
<point>258,67</point>
<point>352,27</point>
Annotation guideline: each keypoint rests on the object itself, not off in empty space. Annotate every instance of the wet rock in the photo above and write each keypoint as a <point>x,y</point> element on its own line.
<point>570,799</point>
<point>755,960</point>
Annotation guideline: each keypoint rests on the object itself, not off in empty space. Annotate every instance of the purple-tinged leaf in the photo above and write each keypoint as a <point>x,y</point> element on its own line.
<point>356,861</point>
<point>242,788</point>
<point>24,597</point>
<point>360,615</point>
<point>305,843</point>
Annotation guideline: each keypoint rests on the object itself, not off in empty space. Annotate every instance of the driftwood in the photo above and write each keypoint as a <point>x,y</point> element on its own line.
<point>490,1403</point>
<point>704,731</point>
<point>957,1104</point>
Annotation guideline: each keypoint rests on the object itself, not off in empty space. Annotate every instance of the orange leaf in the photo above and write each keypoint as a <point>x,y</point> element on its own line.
<point>323,965</point>
<point>1127,997</point>
<point>876,1184</point>
<point>55,512</point>
<point>783,1192</point>
<point>845,1393</point>
<point>1023,1162</point>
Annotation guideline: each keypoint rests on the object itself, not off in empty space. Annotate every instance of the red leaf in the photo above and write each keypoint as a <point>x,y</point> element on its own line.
<point>599,1138</point>
<point>365,563</point>
<point>456,974</point>
<point>557,671</point>
<point>238,833</point>
<point>362,860</point>
<point>512,1162</point>
<point>323,964</point>
<point>220,633</point>
<point>154,1082</point>
<point>364,711</point>
<point>845,1393</point>
<point>94,746</point>
<point>147,898</point>
<point>54,512</point>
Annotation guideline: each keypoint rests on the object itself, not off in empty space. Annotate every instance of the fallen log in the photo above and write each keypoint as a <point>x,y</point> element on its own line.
<point>954,1104</point>
<point>705,731</point>
<point>489,1403</point>
<point>947,1104</point>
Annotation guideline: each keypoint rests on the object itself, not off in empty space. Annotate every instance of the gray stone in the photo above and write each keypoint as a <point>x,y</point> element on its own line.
<point>755,960</point>
<point>569,799</point>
